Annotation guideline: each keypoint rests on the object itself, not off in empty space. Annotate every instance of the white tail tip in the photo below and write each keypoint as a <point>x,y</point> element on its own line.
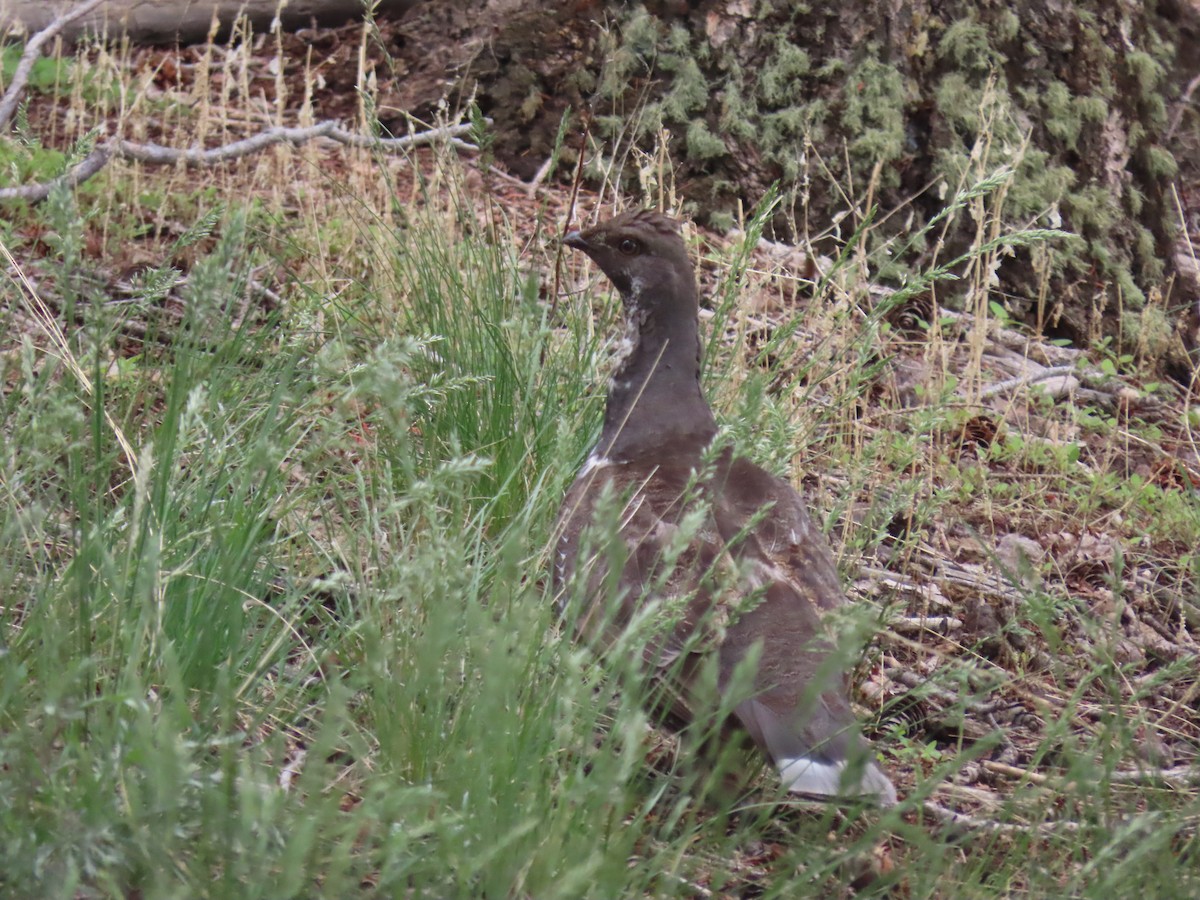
<point>810,776</point>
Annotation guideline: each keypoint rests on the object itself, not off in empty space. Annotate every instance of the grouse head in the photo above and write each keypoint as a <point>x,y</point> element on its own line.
<point>643,253</point>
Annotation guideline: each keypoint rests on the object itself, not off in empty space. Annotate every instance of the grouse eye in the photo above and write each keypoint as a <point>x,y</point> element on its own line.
<point>629,247</point>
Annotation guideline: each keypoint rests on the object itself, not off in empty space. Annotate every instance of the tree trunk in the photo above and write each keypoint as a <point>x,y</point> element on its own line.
<point>154,21</point>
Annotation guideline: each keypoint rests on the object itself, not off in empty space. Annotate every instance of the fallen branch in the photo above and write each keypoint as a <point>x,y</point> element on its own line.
<point>935,624</point>
<point>1017,772</point>
<point>1179,776</point>
<point>968,824</point>
<point>1181,106</point>
<point>160,155</point>
<point>1024,380</point>
<point>156,154</point>
<point>917,682</point>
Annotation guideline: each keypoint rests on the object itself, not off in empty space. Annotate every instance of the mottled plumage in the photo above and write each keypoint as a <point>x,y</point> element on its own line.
<point>754,573</point>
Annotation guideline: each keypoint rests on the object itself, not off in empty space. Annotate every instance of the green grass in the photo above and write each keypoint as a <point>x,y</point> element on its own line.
<point>300,642</point>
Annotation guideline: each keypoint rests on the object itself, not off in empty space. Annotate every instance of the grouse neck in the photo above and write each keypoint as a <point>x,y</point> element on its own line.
<point>655,403</point>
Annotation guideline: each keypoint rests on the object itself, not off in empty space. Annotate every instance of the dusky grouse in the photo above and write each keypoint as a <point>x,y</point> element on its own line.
<point>779,580</point>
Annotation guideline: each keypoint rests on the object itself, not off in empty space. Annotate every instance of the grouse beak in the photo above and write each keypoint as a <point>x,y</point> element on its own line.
<point>575,239</point>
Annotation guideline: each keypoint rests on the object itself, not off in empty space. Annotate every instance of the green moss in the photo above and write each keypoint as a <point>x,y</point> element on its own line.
<point>1145,249</point>
<point>722,221</point>
<point>722,187</point>
<point>702,143</point>
<point>782,78</point>
<point>1062,116</point>
<point>1008,25</point>
<point>968,43</point>
<point>582,81</point>
<point>1145,70</point>
<point>679,41</point>
<point>1092,109</point>
<point>767,8</point>
<point>1039,184</point>
<point>779,91</point>
<point>689,91</point>
<point>738,113</point>
<point>1154,108</point>
<point>786,125</point>
<point>630,54</point>
<point>618,72</point>
<point>1135,200</point>
<point>1131,295</point>
<point>650,121</point>
<point>1093,209</point>
<point>1160,163</point>
<point>641,33</point>
<point>530,105</point>
<point>958,99</point>
<point>874,112</point>
<point>831,68</point>
<point>609,124</point>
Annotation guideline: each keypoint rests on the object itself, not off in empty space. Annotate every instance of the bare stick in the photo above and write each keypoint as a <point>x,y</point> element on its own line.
<point>997,389</point>
<point>33,50</point>
<point>156,154</point>
<point>1015,772</point>
<point>935,624</point>
<point>1178,777</point>
<point>967,824</point>
<point>1181,106</point>
<point>1181,777</point>
<point>540,176</point>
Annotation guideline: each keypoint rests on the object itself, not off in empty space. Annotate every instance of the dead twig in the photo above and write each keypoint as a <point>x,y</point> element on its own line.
<point>540,176</point>
<point>160,155</point>
<point>1025,380</point>
<point>1181,106</point>
<point>917,682</point>
<point>1179,776</point>
<point>919,624</point>
<point>156,154</point>
<point>1009,771</point>
<point>967,824</point>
